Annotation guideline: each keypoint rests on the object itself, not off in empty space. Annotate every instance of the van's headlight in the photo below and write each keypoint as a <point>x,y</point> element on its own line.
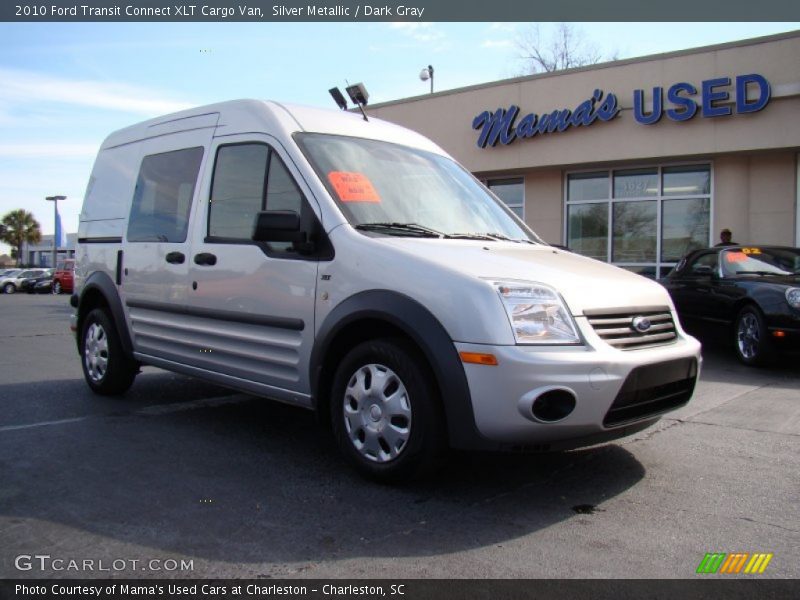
<point>537,313</point>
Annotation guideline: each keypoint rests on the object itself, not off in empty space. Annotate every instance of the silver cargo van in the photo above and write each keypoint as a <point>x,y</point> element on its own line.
<point>353,268</point>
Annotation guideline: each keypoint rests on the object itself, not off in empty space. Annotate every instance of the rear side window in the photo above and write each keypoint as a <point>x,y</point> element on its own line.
<point>163,196</point>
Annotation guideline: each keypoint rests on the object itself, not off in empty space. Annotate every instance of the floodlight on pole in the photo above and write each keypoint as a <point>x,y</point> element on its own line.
<point>358,94</point>
<point>54,200</point>
<point>426,74</point>
<point>338,97</point>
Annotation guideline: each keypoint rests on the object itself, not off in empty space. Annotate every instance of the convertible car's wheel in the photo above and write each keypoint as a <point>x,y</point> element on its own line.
<point>752,341</point>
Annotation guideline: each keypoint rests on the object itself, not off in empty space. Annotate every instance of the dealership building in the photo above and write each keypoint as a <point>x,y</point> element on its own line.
<point>637,161</point>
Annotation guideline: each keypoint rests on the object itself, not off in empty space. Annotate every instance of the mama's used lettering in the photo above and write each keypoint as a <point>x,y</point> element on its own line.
<point>501,126</point>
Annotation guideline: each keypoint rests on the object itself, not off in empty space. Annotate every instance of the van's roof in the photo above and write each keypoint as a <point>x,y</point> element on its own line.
<point>266,116</point>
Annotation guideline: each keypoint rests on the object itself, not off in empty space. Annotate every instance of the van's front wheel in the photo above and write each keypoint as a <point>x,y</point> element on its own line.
<point>385,412</point>
<point>105,367</point>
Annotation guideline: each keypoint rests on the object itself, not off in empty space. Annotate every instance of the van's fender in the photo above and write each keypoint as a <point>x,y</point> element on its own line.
<point>100,283</point>
<point>414,320</point>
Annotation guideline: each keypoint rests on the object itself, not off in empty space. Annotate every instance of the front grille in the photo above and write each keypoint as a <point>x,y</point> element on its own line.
<point>616,327</point>
<point>653,389</point>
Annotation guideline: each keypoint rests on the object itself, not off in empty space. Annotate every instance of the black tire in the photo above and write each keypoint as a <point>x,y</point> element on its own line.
<point>56,289</point>
<point>9,288</point>
<point>751,340</point>
<point>372,438</point>
<point>105,367</point>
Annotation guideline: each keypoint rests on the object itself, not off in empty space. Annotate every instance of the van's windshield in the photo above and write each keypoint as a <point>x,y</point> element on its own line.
<point>396,190</point>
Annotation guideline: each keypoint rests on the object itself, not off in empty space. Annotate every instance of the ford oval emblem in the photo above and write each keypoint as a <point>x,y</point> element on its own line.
<point>641,324</point>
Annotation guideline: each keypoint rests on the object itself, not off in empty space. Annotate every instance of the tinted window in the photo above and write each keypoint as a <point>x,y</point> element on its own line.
<point>163,196</point>
<point>587,231</point>
<point>282,192</point>
<point>634,232</point>
<point>684,226</point>
<point>635,183</point>
<point>687,181</point>
<point>704,264</point>
<point>237,194</point>
<point>588,186</point>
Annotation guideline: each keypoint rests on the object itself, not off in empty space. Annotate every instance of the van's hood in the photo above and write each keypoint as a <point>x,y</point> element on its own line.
<point>585,284</point>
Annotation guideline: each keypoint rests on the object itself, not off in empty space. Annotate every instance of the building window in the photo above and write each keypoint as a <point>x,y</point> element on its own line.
<point>511,192</point>
<point>643,220</point>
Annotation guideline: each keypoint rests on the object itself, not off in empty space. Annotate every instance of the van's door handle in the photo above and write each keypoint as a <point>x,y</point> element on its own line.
<point>205,258</point>
<point>176,258</point>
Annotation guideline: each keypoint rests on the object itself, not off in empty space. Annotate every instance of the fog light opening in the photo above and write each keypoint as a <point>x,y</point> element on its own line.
<point>553,405</point>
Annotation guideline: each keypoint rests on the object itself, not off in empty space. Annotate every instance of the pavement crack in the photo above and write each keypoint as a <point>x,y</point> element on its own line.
<point>738,428</point>
<point>713,515</point>
<point>34,335</point>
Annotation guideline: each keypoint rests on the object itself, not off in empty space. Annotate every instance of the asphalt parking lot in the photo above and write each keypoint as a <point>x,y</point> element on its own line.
<point>180,470</point>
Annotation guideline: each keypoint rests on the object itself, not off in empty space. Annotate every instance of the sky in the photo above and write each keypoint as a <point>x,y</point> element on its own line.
<point>66,86</point>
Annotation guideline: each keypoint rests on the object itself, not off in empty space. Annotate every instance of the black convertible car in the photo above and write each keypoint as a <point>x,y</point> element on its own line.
<point>753,289</point>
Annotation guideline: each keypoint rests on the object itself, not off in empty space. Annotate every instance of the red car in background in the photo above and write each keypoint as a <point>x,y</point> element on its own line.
<point>64,277</point>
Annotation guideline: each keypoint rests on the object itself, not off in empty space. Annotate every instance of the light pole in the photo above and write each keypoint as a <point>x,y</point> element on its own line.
<point>426,74</point>
<point>54,200</point>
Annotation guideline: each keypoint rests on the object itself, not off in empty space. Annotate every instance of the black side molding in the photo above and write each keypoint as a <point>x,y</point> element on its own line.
<point>100,282</point>
<point>223,315</point>
<point>100,240</point>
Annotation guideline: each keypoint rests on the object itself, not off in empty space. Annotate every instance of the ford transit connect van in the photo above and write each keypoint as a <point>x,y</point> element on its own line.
<point>353,268</point>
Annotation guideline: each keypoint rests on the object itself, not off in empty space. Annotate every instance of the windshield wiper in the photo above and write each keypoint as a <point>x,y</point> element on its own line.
<point>496,237</point>
<point>782,274</point>
<point>404,228</point>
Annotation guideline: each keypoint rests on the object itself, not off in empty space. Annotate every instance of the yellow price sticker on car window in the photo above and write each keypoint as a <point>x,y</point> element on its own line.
<point>751,250</point>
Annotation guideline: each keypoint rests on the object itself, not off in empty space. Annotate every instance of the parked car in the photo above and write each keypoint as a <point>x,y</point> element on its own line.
<point>28,285</point>
<point>44,287</point>
<point>754,290</point>
<point>350,266</point>
<point>9,284</point>
<point>64,277</point>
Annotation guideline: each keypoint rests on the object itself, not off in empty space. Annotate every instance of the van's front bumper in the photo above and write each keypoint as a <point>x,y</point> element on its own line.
<point>617,392</point>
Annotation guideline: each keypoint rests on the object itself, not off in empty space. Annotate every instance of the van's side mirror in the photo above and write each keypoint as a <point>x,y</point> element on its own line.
<point>278,226</point>
<point>282,226</point>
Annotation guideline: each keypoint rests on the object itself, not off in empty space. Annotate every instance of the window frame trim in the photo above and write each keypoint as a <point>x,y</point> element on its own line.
<point>659,198</point>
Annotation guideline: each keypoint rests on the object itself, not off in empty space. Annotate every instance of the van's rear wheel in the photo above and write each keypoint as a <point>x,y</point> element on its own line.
<point>105,367</point>
<point>386,414</point>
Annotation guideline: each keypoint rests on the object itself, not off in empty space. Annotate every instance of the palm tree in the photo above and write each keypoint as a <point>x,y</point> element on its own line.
<point>19,226</point>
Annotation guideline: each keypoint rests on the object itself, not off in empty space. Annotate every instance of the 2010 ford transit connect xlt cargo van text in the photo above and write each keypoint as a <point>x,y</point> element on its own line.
<point>352,267</point>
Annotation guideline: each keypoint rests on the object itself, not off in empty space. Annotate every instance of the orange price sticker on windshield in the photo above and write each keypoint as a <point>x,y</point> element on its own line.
<point>735,257</point>
<point>751,250</point>
<point>353,187</point>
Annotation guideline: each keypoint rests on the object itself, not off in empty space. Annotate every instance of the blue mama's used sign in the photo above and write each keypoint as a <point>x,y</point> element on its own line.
<point>682,103</point>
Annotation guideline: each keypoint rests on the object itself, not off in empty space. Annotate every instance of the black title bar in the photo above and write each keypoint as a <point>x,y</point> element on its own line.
<point>414,10</point>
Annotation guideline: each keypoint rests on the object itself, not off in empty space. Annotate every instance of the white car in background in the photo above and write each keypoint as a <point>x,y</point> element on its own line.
<point>10,282</point>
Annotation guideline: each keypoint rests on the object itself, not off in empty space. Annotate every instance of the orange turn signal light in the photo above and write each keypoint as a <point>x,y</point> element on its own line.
<point>779,333</point>
<point>478,358</point>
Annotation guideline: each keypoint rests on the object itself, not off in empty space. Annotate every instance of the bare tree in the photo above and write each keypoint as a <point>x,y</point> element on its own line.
<point>565,48</point>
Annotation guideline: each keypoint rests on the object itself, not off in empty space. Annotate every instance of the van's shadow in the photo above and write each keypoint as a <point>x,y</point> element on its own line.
<point>255,481</point>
